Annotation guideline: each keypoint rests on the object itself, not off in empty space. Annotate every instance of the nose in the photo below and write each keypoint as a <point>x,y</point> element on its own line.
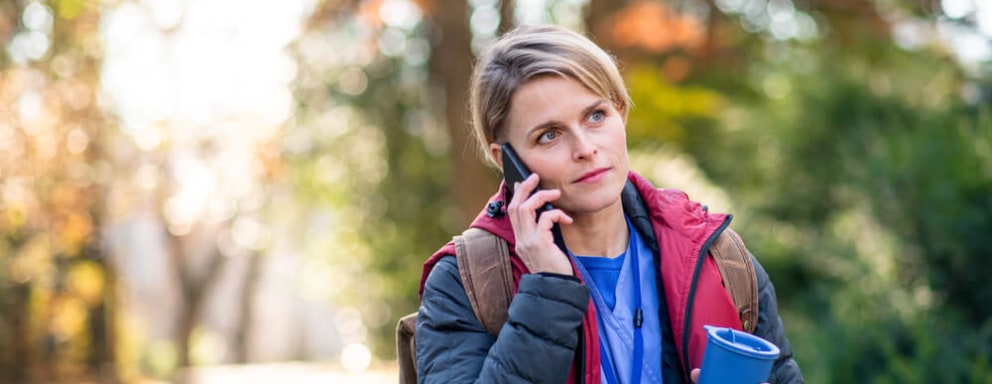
<point>584,146</point>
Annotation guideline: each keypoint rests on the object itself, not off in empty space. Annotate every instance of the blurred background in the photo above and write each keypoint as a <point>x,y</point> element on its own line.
<point>245,191</point>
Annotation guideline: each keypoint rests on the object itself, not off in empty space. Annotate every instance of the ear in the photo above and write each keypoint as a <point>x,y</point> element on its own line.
<point>496,154</point>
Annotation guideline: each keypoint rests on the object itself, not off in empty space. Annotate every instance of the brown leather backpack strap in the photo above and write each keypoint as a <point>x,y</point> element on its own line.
<point>406,348</point>
<point>484,265</point>
<point>738,274</point>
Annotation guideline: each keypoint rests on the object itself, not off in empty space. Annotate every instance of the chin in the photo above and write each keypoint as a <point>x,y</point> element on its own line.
<point>592,204</point>
<point>589,201</point>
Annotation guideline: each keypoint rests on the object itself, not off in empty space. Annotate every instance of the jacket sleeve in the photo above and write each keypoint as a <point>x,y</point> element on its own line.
<point>536,345</point>
<point>785,370</point>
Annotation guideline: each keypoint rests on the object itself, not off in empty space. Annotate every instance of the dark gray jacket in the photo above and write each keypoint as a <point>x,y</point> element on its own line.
<point>538,342</point>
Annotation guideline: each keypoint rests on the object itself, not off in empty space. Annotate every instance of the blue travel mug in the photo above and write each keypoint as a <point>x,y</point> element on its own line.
<point>736,357</point>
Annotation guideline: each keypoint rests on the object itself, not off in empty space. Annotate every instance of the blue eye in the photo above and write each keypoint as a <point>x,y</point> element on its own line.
<point>597,116</point>
<point>547,136</point>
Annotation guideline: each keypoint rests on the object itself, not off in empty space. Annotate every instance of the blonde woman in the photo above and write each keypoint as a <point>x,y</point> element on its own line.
<point>632,253</point>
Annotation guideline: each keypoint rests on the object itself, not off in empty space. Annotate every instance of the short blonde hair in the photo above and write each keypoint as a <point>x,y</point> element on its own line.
<point>528,52</point>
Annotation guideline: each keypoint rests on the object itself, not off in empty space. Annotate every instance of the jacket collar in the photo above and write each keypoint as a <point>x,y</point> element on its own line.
<point>637,212</point>
<point>642,202</point>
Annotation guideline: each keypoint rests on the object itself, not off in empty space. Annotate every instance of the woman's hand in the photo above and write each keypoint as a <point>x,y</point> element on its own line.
<point>535,243</point>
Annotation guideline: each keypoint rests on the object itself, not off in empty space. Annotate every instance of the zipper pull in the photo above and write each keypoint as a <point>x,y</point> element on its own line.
<point>638,318</point>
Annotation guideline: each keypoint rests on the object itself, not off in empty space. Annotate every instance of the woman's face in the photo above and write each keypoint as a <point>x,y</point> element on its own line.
<point>572,138</point>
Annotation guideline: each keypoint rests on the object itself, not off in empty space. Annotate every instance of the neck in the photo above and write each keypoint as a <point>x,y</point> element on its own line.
<point>602,233</point>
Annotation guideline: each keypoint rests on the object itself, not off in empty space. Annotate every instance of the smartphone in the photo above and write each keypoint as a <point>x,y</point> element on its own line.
<point>515,171</point>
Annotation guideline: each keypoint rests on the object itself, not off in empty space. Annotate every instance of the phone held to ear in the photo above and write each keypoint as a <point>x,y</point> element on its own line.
<point>514,171</point>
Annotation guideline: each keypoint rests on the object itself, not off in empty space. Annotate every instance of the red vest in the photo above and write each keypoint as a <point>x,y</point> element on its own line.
<point>682,228</point>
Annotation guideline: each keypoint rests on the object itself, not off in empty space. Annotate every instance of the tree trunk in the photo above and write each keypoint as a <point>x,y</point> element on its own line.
<point>242,337</point>
<point>18,363</point>
<point>103,328</point>
<point>506,16</point>
<point>194,288</point>
<point>451,59</point>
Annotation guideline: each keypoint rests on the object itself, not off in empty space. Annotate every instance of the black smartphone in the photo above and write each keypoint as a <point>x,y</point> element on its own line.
<point>514,171</point>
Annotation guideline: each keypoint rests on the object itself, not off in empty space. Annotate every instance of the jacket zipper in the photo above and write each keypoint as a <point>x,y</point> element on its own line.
<point>692,296</point>
<point>580,371</point>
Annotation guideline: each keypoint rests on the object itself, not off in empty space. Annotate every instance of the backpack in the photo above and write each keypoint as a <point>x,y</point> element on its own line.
<point>484,265</point>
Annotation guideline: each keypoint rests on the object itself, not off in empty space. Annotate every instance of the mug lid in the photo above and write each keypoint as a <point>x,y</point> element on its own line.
<point>742,342</point>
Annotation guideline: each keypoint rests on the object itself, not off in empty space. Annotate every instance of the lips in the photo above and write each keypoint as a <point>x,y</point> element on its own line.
<point>592,176</point>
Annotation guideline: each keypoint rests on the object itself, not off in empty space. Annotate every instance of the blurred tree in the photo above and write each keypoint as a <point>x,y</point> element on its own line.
<point>853,154</point>
<point>507,16</point>
<point>405,87</point>
<point>197,268</point>
<point>384,169</point>
<point>197,171</point>
<point>658,47</point>
<point>57,286</point>
<point>450,66</point>
<point>828,136</point>
<point>194,227</point>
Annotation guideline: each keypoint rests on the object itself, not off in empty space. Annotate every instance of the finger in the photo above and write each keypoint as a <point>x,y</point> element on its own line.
<point>522,217</point>
<point>540,226</point>
<point>524,211</point>
<point>522,191</point>
<point>550,218</point>
<point>695,375</point>
<point>540,198</point>
<point>526,187</point>
<point>545,225</point>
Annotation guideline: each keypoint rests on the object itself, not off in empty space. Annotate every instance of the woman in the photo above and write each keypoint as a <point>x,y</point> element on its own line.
<point>560,102</point>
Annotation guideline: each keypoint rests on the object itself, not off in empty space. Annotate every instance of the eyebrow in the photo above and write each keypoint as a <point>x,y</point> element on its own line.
<point>551,123</point>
